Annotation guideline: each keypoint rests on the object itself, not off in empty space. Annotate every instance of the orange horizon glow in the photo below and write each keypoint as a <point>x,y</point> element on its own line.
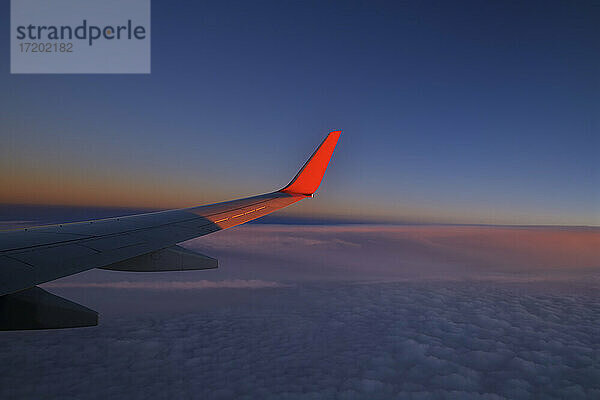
<point>448,252</point>
<point>60,186</point>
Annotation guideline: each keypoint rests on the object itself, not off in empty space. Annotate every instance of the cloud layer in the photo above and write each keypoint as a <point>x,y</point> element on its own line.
<point>342,312</point>
<point>334,341</point>
<point>404,252</point>
<point>290,254</point>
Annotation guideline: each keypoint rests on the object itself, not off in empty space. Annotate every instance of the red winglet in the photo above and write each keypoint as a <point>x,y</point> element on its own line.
<point>309,178</point>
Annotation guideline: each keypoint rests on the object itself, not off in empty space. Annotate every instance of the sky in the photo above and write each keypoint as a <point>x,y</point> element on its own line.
<point>454,114</point>
<point>469,112</point>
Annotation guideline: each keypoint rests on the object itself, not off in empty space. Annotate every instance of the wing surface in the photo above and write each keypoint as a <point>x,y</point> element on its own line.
<point>35,255</point>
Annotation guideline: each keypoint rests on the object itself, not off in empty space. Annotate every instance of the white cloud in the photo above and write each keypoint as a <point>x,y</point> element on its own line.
<point>333,341</point>
<point>449,253</point>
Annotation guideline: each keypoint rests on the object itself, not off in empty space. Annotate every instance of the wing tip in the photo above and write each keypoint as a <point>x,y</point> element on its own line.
<point>308,179</point>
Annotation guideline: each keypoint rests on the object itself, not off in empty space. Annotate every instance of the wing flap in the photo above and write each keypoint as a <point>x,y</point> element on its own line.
<point>174,258</point>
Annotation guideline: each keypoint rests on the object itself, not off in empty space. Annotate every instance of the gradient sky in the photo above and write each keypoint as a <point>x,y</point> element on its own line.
<point>483,112</point>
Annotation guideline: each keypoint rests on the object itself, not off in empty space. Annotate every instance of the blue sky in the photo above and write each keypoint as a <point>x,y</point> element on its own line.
<point>464,112</point>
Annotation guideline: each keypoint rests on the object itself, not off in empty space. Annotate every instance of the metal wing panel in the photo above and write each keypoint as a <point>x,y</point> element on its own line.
<point>36,255</point>
<point>82,246</point>
<point>256,210</point>
<point>52,254</point>
<point>14,275</point>
<point>22,239</point>
<point>112,242</point>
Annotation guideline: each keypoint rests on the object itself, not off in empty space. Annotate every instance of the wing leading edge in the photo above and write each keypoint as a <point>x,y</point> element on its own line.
<point>32,256</point>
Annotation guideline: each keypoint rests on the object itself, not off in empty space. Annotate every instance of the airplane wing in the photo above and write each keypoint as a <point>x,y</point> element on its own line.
<point>143,242</point>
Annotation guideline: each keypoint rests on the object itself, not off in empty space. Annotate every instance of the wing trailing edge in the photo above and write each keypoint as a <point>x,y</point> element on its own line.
<point>174,258</point>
